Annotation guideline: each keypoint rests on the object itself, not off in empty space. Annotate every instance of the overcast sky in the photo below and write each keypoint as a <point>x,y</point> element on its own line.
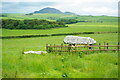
<point>81,7</point>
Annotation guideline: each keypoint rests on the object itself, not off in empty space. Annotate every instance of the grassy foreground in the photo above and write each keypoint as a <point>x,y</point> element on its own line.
<point>97,65</point>
<point>51,65</point>
<point>100,65</point>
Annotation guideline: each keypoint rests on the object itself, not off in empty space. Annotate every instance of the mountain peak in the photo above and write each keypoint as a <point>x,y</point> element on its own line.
<point>49,10</point>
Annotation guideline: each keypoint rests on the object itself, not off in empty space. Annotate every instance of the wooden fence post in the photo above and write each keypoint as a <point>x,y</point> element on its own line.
<point>54,48</point>
<point>87,48</point>
<point>118,46</point>
<point>46,47</point>
<point>50,48</point>
<point>69,48</point>
<point>99,47</point>
<point>61,47</point>
<point>104,45</point>
<point>107,45</point>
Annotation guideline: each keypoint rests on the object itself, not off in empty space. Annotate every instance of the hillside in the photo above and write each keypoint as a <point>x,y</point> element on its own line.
<point>49,10</point>
<point>69,13</point>
<point>53,11</point>
<point>51,16</point>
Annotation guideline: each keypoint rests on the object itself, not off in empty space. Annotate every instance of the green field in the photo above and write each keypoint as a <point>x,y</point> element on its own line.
<point>73,28</point>
<point>35,16</point>
<point>108,24</point>
<point>52,65</point>
<point>57,66</point>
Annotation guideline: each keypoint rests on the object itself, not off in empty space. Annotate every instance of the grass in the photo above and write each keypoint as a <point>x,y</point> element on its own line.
<point>39,43</point>
<point>0,59</point>
<point>108,24</point>
<point>57,16</point>
<point>0,56</point>
<point>79,27</point>
<point>51,65</point>
<point>35,16</point>
<point>57,66</point>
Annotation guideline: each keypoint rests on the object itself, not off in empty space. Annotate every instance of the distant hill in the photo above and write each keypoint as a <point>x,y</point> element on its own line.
<point>49,10</point>
<point>69,13</point>
<point>53,10</point>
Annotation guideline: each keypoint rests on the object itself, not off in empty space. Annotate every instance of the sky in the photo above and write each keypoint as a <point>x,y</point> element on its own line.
<point>81,7</point>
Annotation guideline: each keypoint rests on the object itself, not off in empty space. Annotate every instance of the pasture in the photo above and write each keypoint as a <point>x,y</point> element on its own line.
<point>35,16</point>
<point>58,66</point>
<point>73,28</point>
<point>52,65</point>
<point>94,24</point>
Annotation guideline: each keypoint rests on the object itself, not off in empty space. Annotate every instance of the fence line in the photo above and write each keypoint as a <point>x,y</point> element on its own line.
<point>48,35</point>
<point>78,48</point>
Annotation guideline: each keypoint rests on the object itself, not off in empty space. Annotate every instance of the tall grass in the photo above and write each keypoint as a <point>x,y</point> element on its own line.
<point>99,65</point>
<point>0,58</point>
<point>53,65</point>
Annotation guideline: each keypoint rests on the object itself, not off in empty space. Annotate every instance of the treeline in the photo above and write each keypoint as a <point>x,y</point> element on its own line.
<point>31,24</point>
<point>3,15</point>
<point>69,21</point>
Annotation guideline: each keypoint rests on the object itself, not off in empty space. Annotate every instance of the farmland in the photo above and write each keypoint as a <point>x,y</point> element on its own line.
<point>71,29</point>
<point>51,65</point>
<point>108,24</point>
<point>20,65</point>
<point>35,16</point>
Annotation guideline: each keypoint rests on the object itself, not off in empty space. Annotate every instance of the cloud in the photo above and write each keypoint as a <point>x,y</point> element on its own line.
<point>23,7</point>
<point>102,11</point>
<point>30,0</point>
<point>95,7</point>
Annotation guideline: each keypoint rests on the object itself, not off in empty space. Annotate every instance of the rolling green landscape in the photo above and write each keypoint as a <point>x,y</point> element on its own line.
<point>98,64</point>
<point>50,65</point>
<point>94,24</point>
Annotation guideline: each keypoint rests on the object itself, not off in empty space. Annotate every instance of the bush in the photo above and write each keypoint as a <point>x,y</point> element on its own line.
<point>67,21</point>
<point>30,24</point>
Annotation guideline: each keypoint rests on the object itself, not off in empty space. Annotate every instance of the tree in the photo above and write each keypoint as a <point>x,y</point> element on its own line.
<point>30,24</point>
